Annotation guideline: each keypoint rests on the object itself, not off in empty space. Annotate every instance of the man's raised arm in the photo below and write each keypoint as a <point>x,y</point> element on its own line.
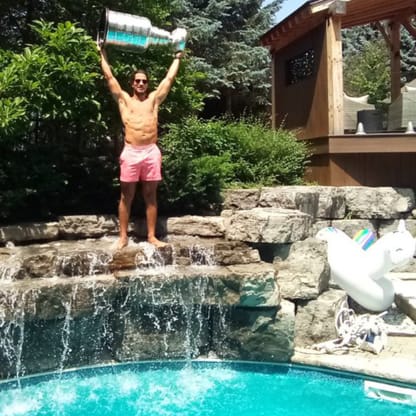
<point>164,87</point>
<point>112,82</point>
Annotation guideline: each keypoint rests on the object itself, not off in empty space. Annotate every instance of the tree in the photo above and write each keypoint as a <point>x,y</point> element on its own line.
<point>17,15</point>
<point>368,72</point>
<point>51,127</point>
<point>408,57</point>
<point>58,123</point>
<point>224,38</point>
<point>362,47</point>
<point>225,45</point>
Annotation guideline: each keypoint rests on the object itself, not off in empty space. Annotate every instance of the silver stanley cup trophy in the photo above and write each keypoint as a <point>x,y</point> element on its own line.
<point>136,33</point>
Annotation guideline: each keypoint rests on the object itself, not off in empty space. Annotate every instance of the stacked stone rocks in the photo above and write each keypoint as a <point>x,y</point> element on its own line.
<point>251,284</point>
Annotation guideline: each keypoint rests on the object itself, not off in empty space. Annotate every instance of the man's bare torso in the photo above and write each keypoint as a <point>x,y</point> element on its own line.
<point>140,117</point>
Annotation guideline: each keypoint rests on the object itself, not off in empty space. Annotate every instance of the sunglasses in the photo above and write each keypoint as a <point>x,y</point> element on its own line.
<point>138,81</point>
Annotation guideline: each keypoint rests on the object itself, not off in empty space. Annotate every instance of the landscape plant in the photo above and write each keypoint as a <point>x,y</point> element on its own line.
<point>60,131</point>
<point>202,157</point>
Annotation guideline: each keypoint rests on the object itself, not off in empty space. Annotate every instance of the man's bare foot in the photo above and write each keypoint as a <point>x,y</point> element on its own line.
<point>122,242</point>
<point>157,243</point>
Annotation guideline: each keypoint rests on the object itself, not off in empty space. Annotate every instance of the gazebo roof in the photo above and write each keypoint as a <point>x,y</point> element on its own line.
<point>352,12</point>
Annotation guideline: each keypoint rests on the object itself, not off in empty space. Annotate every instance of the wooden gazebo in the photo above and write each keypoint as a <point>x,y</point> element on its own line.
<point>308,95</point>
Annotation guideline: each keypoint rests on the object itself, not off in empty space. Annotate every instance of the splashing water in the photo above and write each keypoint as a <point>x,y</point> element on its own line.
<point>209,389</point>
<point>149,256</point>
<point>66,329</point>
<point>10,268</point>
<point>201,256</point>
<point>86,316</point>
<point>12,330</point>
<point>83,263</point>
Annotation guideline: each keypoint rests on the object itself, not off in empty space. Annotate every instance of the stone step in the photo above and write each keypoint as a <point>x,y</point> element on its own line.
<point>46,298</point>
<point>405,297</point>
<point>99,256</point>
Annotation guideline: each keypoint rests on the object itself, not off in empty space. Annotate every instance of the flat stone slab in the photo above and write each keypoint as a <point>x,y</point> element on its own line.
<point>99,256</point>
<point>48,298</point>
<point>378,202</point>
<point>196,225</point>
<point>317,201</point>
<point>237,285</point>
<point>405,296</point>
<point>396,362</point>
<point>268,225</point>
<point>29,232</point>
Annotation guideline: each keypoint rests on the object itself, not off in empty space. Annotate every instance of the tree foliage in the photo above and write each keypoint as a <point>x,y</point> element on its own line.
<point>224,39</point>
<point>16,16</point>
<point>368,72</point>
<point>367,60</point>
<point>408,57</point>
<point>51,132</point>
<point>58,123</point>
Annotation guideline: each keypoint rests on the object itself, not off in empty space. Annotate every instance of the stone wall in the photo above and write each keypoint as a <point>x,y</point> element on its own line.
<point>252,283</point>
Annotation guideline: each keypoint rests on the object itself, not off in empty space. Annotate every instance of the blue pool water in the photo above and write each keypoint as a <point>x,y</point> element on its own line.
<point>197,388</point>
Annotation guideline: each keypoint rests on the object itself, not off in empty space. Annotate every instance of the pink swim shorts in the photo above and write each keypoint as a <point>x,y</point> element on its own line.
<point>140,163</point>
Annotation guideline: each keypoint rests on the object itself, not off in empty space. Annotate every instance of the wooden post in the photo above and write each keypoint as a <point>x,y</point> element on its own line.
<point>335,75</point>
<point>273,91</point>
<point>395,59</point>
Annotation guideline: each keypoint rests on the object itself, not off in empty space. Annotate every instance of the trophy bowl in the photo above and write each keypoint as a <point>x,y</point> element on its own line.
<point>135,33</point>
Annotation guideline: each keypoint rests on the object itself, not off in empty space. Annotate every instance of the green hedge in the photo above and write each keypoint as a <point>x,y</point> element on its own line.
<point>201,158</point>
<point>59,128</point>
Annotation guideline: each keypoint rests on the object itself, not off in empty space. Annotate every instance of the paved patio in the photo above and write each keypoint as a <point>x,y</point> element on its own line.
<point>397,361</point>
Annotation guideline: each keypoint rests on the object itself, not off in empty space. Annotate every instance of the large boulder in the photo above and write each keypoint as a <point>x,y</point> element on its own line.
<point>268,225</point>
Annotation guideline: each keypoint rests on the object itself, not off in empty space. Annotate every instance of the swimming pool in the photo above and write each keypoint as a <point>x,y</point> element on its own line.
<point>195,388</point>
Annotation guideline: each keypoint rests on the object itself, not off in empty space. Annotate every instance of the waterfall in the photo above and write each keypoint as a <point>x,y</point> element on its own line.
<point>9,268</point>
<point>82,263</point>
<point>66,304</point>
<point>170,301</point>
<point>201,256</point>
<point>12,333</point>
<point>66,330</point>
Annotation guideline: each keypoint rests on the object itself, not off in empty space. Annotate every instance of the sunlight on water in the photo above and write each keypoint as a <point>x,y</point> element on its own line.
<point>199,389</point>
<point>128,383</point>
<point>18,404</point>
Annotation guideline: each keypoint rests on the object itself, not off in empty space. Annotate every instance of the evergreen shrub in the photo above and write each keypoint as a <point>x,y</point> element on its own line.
<point>201,158</point>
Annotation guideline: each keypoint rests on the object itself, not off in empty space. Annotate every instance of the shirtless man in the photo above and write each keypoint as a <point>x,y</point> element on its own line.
<point>140,159</point>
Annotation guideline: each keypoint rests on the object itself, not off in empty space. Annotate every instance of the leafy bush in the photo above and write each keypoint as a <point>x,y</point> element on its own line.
<point>51,129</point>
<point>265,156</point>
<point>59,124</point>
<point>201,158</point>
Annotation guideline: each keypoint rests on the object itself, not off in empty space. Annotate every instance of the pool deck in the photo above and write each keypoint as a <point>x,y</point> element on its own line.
<point>397,361</point>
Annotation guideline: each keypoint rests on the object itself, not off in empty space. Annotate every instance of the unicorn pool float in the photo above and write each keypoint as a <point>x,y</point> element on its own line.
<point>359,265</point>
